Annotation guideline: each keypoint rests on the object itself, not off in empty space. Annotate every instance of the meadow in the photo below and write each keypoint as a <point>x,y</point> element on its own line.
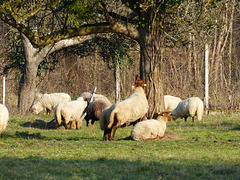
<point>209,149</point>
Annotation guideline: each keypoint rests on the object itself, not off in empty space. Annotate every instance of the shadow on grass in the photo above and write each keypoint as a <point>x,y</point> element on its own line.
<point>104,168</point>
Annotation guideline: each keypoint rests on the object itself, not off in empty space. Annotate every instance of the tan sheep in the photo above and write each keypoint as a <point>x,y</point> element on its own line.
<point>4,116</point>
<point>126,112</point>
<point>189,108</point>
<point>152,129</point>
<point>171,102</point>
<point>70,111</point>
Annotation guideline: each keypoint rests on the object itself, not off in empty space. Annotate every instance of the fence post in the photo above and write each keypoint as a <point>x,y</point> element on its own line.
<point>4,80</point>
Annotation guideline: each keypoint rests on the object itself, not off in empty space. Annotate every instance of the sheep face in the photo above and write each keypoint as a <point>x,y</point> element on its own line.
<point>37,109</point>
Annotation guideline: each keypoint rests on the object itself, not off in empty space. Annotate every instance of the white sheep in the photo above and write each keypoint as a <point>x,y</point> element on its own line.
<point>126,112</point>
<point>189,108</point>
<point>88,95</point>
<point>94,110</point>
<point>49,101</point>
<point>70,111</point>
<point>4,116</point>
<point>171,102</point>
<point>152,129</point>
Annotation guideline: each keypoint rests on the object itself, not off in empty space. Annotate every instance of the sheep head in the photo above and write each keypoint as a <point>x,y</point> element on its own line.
<point>138,83</point>
<point>167,115</point>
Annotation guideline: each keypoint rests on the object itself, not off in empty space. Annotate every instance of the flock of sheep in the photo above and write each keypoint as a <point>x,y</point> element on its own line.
<point>132,110</point>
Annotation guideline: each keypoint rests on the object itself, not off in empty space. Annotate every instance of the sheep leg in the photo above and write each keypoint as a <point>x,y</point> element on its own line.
<point>193,119</point>
<point>156,138</point>
<point>114,130</point>
<point>185,119</point>
<point>77,125</point>
<point>107,132</point>
<point>65,124</point>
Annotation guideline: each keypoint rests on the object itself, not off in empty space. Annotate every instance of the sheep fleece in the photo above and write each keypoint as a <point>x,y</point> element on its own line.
<point>131,109</point>
<point>189,107</point>
<point>171,102</point>
<point>50,101</point>
<point>70,111</point>
<point>148,129</point>
<point>4,116</point>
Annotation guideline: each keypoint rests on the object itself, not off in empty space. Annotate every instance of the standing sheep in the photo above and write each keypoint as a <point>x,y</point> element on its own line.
<point>49,101</point>
<point>88,95</point>
<point>4,116</point>
<point>189,107</point>
<point>94,110</point>
<point>127,111</point>
<point>152,129</point>
<point>171,102</point>
<point>70,111</point>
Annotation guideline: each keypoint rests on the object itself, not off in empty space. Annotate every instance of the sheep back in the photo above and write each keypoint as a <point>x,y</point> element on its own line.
<point>96,97</point>
<point>148,129</point>
<point>189,107</point>
<point>94,110</point>
<point>171,102</point>
<point>130,109</point>
<point>4,116</point>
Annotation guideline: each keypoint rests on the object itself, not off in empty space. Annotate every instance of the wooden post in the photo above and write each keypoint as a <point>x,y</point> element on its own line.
<point>206,98</point>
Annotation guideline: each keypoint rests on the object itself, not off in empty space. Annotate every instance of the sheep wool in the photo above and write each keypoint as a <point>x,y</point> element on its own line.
<point>49,102</point>
<point>94,110</point>
<point>96,97</point>
<point>189,108</point>
<point>4,116</point>
<point>171,102</point>
<point>105,115</point>
<point>70,111</point>
<point>151,129</point>
<point>129,110</point>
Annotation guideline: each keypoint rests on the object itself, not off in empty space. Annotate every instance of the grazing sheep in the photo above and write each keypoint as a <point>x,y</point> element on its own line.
<point>4,116</point>
<point>171,102</point>
<point>70,111</point>
<point>94,110</point>
<point>152,129</point>
<point>189,107</point>
<point>88,95</point>
<point>49,101</point>
<point>125,112</point>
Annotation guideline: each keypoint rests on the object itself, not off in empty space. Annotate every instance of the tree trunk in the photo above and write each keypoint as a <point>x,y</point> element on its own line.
<point>27,84</point>
<point>152,53</point>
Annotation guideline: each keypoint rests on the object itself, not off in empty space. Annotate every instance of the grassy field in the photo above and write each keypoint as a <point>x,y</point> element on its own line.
<point>201,150</point>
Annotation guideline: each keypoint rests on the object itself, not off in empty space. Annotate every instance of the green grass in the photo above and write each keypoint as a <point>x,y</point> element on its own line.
<point>210,150</point>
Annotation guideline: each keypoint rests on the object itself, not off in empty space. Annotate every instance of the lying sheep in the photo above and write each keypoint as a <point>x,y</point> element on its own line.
<point>125,112</point>
<point>152,129</point>
<point>88,95</point>
<point>4,116</point>
<point>171,102</point>
<point>189,107</point>
<point>94,110</point>
<point>70,111</point>
<point>49,101</point>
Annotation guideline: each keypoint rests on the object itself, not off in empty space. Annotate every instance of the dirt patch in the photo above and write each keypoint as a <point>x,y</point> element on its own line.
<point>171,136</point>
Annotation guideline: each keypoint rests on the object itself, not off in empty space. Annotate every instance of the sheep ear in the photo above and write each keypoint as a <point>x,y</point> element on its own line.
<point>145,85</point>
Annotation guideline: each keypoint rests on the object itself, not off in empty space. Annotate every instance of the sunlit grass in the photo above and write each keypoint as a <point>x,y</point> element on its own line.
<point>210,150</point>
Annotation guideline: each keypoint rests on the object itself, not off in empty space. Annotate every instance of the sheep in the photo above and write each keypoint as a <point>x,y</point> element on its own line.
<point>88,95</point>
<point>189,107</point>
<point>152,129</point>
<point>49,101</point>
<point>171,102</point>
<point>70,111</point>
<point>94,110</point>
<point>4,116</point>
<point>125,112</point>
